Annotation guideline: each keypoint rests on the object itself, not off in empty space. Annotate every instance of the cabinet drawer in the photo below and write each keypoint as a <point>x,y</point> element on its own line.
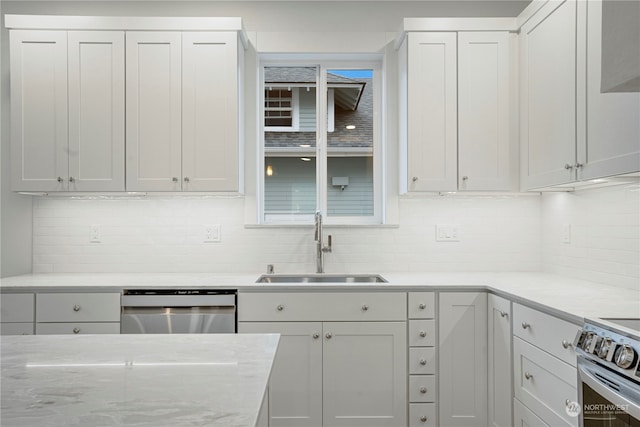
<point>422,360</point>
<point>18,328</point>
<point>16,307</point>
<point>544,383</point>
<point>523,417</point>
<point>78,307</point>
<point>422,415</point>
<point>421,305</point>
<point>422,388</point>
<point>422,333</point>
<point>77,328</point>
<point>551,334</point>
<point>333,306</point>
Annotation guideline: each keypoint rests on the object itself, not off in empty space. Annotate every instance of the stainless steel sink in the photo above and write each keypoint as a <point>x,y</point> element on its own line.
<point>321,278</point>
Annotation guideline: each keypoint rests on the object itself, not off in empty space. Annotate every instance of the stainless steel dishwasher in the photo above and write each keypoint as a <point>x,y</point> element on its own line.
<point>178,311</point>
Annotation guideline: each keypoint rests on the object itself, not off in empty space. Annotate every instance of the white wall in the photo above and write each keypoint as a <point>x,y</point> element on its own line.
<point>166,235</point>
<point>605,235</point>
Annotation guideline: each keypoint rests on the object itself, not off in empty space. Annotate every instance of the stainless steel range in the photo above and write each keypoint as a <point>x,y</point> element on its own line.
<point>608,376</point>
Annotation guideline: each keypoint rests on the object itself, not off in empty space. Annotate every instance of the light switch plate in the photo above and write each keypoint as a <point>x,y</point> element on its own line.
<point>94,234</point>
<point>212,233</point>
<point>447,233</point>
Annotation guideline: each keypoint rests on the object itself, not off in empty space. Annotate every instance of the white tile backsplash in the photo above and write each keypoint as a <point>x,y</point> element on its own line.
<point>605,235</point>
<point>497,233</point>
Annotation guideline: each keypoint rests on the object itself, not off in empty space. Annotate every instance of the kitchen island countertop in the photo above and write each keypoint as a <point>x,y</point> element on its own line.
<point>135,380</point>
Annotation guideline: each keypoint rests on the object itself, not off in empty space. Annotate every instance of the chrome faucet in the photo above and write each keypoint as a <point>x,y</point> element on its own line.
<point>320,248</point>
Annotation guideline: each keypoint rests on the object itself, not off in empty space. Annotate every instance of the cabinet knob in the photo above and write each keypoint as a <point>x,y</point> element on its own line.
<point>525,325</point>
<point>423,390</point>
<point>423,362</point>
<point>528,375</point>
<point>174,179</point>
<point>567,166</point>
<point>186,179</point>
<point>423,334</point>
<point>414,179</point>
<point>503,313</point>
<point>315,335</point>
<point>422,306</point>
<point>423,419</point>
<point>76,307</point>
<point>465,178</point>
<point>365,307</point>
<point>280,307</point>
<point>578,165</point>
<point>566,344</point>
<point>76,330</point>
<point>71,179</point>
<point>60,179</point>
<point>328,335</point>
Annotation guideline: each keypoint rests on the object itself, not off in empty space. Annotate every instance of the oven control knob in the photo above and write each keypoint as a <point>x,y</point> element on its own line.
<point>625,356</point>
<point>605,347</point>
<point>588,344</point>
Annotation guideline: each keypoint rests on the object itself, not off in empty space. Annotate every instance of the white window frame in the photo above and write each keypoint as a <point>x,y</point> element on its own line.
<point>324,125</point>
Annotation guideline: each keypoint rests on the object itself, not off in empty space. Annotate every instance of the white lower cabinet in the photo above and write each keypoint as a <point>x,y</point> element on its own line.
<point>16,314</point>
<point>462,356</point>
<point>78,313</point>
<point>333,373</point>
<point>523,417</point>
<point>500,396</point>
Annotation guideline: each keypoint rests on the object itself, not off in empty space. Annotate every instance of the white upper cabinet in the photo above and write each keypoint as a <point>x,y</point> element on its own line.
<point>611,145</point>
<point>548,96</point>
<point>182,111</point>
<point>154,115</point>
<point>569,130</point>
<point>484,113</point>
<point>39,134</point>
<point>67,91</point>
<point>431,112</point>
<point>96,110</point>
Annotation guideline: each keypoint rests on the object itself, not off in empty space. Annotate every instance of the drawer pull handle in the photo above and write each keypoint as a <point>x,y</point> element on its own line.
<point>76,330</point>
<point>423,334</point>
<point>422,306</point>
<point>423,362</point>
<point>365,307</point>
<point>528,375</point>
<point>76,307</point>
<point>525,325</point>
<point>566,344</point>
<point>503,313</point>
<point>423,419</point>
<point>315,335</point>
<point>328,335</point>
<point>280,307</point>
<point>423,390</point>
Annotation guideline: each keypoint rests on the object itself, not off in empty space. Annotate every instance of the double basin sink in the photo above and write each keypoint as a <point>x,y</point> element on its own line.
<point>321,278</point>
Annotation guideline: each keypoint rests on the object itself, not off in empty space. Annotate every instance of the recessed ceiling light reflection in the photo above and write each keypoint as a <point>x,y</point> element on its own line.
<point>305,145</point>
<point>305,159</point>
<point>351,127</point>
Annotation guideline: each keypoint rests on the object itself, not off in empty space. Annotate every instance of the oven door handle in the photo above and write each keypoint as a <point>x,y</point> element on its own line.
<point>586,376</point>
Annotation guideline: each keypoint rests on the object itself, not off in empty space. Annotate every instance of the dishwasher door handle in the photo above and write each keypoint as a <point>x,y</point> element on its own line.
<point>226,300</point>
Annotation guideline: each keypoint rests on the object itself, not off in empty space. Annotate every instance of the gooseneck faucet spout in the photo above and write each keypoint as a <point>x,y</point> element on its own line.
<point>320,248</point>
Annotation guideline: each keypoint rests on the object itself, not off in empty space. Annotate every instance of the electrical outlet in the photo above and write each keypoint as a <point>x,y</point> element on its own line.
<point>94,234</point>
<point>566,233</point>
<point>447,233</point>
<point>212,233</point>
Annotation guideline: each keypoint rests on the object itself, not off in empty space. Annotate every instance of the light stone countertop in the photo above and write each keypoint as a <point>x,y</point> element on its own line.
<point>135,380</point>
<point>571,299</point>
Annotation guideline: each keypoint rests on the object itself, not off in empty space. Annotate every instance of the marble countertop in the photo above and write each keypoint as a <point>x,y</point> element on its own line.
<point>135,380</point>
<point>572,299</point>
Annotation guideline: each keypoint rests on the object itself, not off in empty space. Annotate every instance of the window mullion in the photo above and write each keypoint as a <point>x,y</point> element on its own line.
<point>321,140</point>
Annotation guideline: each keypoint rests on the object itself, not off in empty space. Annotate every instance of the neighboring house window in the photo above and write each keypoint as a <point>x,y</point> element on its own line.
<point>321,152</point>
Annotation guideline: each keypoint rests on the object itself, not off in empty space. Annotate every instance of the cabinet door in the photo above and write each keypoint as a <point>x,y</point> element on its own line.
<point>611,144</point>
<point>432,112</point>
<point>463,359</point>
<point>483,111</point>
<point>548,95</point>
<point>499,331</point>
<point>153,117</point>
<point>39,139</point>
<point>210,111</point>
<point>295,387</point>
<point>364,374</point>
<point>96,110</point>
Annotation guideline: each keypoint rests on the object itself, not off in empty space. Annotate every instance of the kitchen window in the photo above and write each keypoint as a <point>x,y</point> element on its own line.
<point>320,143</point>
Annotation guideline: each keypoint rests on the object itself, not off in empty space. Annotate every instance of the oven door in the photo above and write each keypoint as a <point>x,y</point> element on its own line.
<point>606,398</point>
